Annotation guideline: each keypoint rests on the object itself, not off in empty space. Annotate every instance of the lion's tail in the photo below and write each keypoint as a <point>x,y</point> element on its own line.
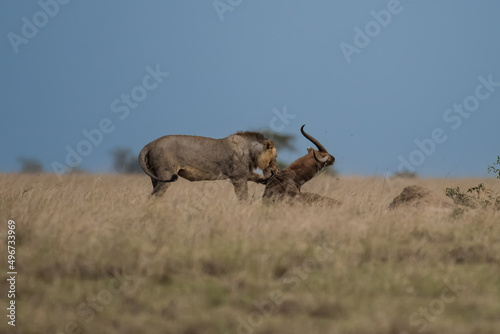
<point>143,161</point>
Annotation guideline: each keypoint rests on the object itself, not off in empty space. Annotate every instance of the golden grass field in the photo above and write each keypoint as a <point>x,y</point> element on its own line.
<point>96,254</point>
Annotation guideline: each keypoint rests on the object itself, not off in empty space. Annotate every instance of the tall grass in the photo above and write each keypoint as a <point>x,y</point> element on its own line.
<point>95,254</point>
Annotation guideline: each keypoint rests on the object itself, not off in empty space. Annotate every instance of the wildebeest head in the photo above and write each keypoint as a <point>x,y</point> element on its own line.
<point>321,156</point>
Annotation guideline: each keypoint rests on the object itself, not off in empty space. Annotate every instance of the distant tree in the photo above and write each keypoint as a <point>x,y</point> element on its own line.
<point>30,165</point>
<point>124,161</point>
<point>405,175</point>
<point>282,141</point>
<point>282,164</point>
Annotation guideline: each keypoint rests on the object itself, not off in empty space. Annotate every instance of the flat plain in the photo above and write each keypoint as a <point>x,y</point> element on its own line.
<point>96,254</point>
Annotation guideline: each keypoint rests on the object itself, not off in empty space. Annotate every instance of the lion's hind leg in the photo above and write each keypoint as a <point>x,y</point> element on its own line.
<point>159,187</point>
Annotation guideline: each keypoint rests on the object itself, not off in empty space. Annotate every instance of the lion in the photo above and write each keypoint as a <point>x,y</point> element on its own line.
<point>285,185</point>
<point>196,158</point>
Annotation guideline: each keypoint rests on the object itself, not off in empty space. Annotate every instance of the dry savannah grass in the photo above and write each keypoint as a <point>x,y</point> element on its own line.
<point>96,254</point>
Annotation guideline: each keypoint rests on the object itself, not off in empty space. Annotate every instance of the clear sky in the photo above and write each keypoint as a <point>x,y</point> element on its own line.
<point>384,85</point>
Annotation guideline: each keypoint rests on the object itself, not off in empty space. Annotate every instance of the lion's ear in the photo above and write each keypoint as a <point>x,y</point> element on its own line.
<point>269,144</point>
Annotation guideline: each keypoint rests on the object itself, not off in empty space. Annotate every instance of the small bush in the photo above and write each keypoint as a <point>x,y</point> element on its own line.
<point>484,199</point>
<point>493,169</point>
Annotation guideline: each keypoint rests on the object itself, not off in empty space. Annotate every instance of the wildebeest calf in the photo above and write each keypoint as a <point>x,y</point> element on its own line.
<point>285,185</point>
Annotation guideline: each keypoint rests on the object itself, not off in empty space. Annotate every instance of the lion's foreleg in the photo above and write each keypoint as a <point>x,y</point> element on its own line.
<point>257,178</point>
<point>241,189</point>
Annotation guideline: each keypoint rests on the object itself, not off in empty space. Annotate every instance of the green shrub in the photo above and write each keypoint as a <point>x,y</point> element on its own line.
<point>493,169</point>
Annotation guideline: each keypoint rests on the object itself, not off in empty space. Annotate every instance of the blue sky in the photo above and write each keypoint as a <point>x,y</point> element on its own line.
<point>243,65</point>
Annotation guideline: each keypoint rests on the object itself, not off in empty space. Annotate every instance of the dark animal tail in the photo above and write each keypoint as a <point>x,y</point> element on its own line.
<point>143,161</point>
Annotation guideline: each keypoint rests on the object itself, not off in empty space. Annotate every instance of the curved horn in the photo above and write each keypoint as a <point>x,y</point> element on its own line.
<point>322,160</point>
<point>314,141</point>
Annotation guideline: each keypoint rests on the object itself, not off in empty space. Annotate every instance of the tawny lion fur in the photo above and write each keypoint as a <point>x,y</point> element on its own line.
<point>197,158</point>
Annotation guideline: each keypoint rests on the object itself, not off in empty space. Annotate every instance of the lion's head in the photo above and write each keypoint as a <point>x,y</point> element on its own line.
<point>262,152</point>
<point>266,161</point>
